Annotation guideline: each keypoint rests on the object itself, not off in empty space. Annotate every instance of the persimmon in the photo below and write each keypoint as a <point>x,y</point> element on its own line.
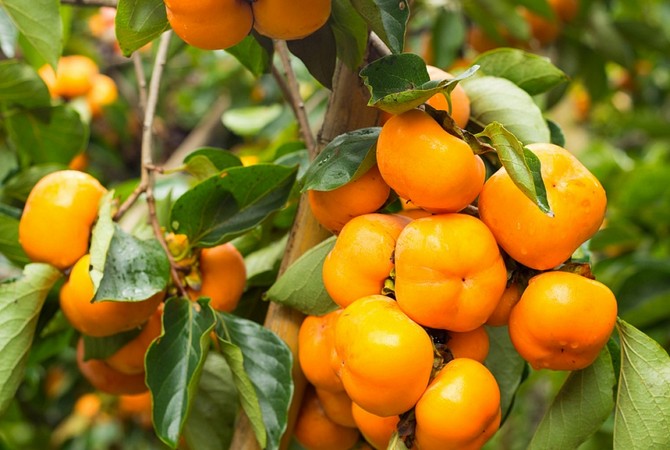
<point>460,409</point>
<point>106,379</point>
<point>566,10</point>
<point>130,358</point>
<point>544,30</point>
<point>366,194</point>
<point>426,165</point>
<point>449,272</point>
<point>88,405</point>
<point>210,24</point>
<point>500,315</point>
<point>315,431</point>
<point>376,430</point>
<point>562,321</point>
<point>362,258</point>
<point>101,318</point>
<point>223,276</point>
<point>103,93</point>
<point>337,406</point>
<point>137,407</point>
<point>290,19</point>
<point>73,77</point>
<point>386,358</point>
<point>527,234</point>
<point>460,103</point>
<point>58,216</point>
<point>469,344</point>
<point>316,351</point>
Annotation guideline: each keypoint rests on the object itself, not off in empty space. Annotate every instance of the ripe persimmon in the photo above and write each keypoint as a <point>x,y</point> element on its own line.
<point>337,406</point>
<point>500,315</point>
<point>103,93</point>
<point>469,344</point>
<point>73,77</point>
<point>460,103</point>
<point>527,234</point>
<point>366,194</point>
<point>56,223</point>
<point>130,358</point>
<point>105,379</point>
<point>362,258</point>
<point>316,351</point>
<point>290,19</point>
<point>376,430</point>
<point>426,165</point>
<point>562,321</point>
<point>101,318</point>
<point>223,277</point>
<point>386,358</point>
<point>449,272</point>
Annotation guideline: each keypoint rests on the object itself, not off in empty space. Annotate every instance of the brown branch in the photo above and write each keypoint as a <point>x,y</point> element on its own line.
<point>90,3</point>
<point>293,89</point>
<point>141,81</point>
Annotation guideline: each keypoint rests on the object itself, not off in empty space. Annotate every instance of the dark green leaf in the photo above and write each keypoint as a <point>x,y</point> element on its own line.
<point>134,269</point>
<point>40,24</point>
<point>521,164</point>
<point>557,136</point>
<point>584,402</point>
<point>262,265</point>
<point>603,37</point>
<point>268,363</point>
<point>208,161</point>
<point>495,99</point>
<point>174,363</point>
<point>50,135</point>
<point>318,52</point>
<point>18,187</point>
<point>20,85</point>
<point>506,365</point>
<point>211,421</point>
<point>223,207</point>
<point>252,54</point>
<point>387,18</point>
<point>447,38</point>
<point>21,301</point>
<point>398,83</point>
<point>301,286</point>
<point>104,347</point>
<point>642,414</point>
<point>139,22</point>
<point>350,31</point>
<point>344,159</point>
<point>9,240</point>
<point>532,73</point>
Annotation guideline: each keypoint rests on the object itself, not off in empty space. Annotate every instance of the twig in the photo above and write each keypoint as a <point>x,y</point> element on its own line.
<point>378,45</point>
<point>90,3</point>
<point>141,80</point>
<point>294,96</point>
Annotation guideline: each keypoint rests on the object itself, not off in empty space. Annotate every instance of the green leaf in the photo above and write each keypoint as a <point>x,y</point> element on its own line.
<point>211,422</point>
<point>532,73</point>
<point>319,53</point>
<point>398,83</point>
<point>268,363</point>
<point>21,301</point>
<point>174,363</point>
<point>350,31</point>
<point>20,85</point>
<point>448,35</point>
<point>263,264</point>
<point>557,136</point>
<point>9,240</point>
<point>18,187</point>
<point>104,347</point>
<point>49,135</point>
<point>208,161</point>
<point>584,402</point>
<point>301,286</point>
<point>642,414</point>
<point>150,269</point>
<point>101,239</point>
<point>40,24</point>
<point>252,54</point>
<point>344,159</point>
<point>521,164</point>
<point>223,207</point>
<point>387,18</point>
<point>506,365</point>
<point>8,35</point>
<point>495,99</point>
<point>139,22</point>
<point>250,120</point>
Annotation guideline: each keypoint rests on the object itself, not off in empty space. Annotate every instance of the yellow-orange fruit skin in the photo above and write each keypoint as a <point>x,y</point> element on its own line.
<point>386,358</point>
<point>460,409</point>
<point>103,93</point>
<point>101,318</point>
<point>130,358</point>
<point>362,258</point>
<point>527,234</point>
<point>106,379</point>
<point>210,24</point>
<point>58,215</point>
<point>290,19</point>
<point>469,344</point>
<point>562,321</point>
<point>500,316</point>
<point>376,430</point>
<point>223,277</point>
<point>460,102</point>
<point>337,406</point>
<point>426,165</point>
<point>316,351</point>
<point>449,272</point>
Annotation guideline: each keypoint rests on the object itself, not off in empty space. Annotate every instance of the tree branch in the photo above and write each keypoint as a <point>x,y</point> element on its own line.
<point>90,3</point>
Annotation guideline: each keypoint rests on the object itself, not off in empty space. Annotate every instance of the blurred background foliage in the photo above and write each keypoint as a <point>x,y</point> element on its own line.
<point>614,113</point>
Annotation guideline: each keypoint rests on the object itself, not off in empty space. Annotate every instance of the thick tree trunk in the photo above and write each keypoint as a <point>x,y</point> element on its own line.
<point>347,111</point>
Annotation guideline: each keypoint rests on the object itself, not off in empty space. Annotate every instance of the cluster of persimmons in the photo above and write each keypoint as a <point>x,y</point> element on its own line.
<point>405,351</point>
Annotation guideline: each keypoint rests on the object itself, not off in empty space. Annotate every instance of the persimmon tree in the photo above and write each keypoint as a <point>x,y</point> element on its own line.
<point>210,147</point>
